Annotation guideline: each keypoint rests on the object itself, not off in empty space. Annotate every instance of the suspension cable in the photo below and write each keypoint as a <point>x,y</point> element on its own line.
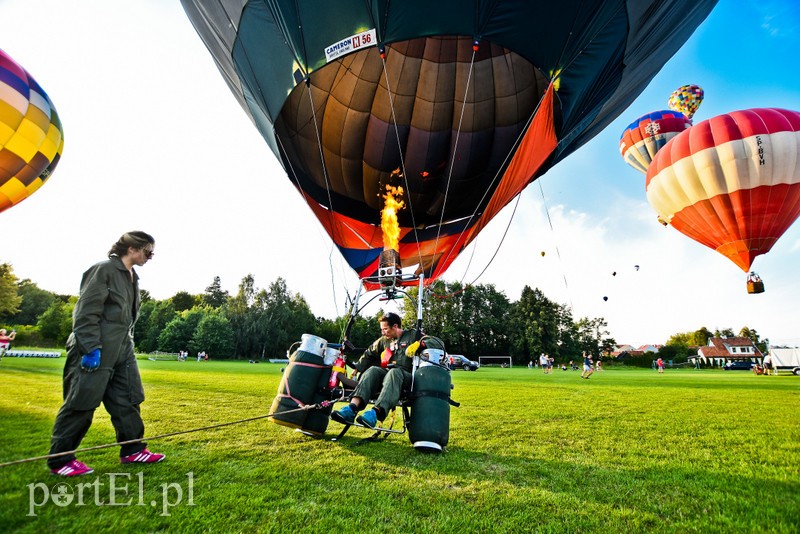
<point>308,199</point>
<point>455,149</point>
<point>307,407</point>
<point>496,177</point>
<point>553,77</point>
<point>400,152</point>
<point>558,252</point>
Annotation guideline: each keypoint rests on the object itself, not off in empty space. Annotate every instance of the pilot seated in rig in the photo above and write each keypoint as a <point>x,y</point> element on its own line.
<point>385,368</point>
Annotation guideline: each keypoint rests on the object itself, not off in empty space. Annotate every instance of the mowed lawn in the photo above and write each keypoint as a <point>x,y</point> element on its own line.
<point>628,450</point>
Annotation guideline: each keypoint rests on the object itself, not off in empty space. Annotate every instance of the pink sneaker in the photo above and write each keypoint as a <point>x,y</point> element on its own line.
<point>73,469</point>
<point>142,457</point>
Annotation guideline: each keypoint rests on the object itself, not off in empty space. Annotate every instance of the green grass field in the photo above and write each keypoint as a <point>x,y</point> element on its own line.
<point>625,451</point>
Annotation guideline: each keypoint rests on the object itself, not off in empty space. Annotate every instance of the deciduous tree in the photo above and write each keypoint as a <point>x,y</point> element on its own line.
<point>34,301</point>
<point>9,298</point>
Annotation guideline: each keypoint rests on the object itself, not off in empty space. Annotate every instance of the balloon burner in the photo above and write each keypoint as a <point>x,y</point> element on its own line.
<point>389,270</point>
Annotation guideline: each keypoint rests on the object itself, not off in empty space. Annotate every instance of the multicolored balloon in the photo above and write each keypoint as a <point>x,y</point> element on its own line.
<point>731,182</point>
<point>645,136</point>
<point>686,99</point>
<point>31,137</point>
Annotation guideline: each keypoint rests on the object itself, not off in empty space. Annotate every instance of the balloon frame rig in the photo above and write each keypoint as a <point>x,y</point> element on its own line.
<point>391,280</point>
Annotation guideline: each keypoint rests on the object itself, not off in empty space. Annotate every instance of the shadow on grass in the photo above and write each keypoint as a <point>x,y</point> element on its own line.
<point>671,495</point>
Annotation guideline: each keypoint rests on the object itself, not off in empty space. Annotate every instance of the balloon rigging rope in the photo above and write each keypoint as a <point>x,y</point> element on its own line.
<point>402,158</point>
<point>306,407</point>
<point>558,252</point>
<point>327,183</point>
<point>309,199</point>
<point>509,155</point>
<point>321,156</point>
<point>453,158</point>
<point>323,239</point>
<point>500,244</point>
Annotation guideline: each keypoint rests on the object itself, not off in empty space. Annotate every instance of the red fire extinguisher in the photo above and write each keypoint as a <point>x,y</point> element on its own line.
<point>338,367</point>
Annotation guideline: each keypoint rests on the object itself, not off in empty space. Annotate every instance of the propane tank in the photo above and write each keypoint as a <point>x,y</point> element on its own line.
<point>429,426</point>
<point>300,381</point>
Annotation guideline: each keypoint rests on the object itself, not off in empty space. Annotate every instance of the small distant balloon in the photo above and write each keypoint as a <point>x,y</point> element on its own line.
<point>542,253</point>
<point>686,99</point>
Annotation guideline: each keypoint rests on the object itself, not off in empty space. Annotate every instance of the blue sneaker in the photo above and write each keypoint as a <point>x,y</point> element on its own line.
<point>368,418</point>
<point>345,416</point>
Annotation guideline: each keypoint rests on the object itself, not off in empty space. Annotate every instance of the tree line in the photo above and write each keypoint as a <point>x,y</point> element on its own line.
<point>255,323</point>
<point>473,320</point>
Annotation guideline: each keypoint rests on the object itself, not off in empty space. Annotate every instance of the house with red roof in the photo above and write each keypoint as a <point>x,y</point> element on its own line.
<point>649,348</point>
<point>630,350</point>
<point>723,349</point>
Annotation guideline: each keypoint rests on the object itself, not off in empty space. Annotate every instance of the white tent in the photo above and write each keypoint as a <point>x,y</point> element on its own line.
<point>786,359</point>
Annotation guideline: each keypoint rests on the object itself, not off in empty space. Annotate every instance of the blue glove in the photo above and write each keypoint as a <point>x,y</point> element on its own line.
<point>90,362</point>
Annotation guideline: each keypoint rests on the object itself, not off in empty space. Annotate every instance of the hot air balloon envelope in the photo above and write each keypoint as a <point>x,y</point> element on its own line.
<point>648,134</point>
<point>732,182</point>
<point>31,137</point>
<point>686,99</point>
<point>467,101</point>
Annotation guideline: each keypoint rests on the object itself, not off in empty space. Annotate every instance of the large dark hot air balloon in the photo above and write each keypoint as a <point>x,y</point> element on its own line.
<point>462,103</point>
<point>732,182</point>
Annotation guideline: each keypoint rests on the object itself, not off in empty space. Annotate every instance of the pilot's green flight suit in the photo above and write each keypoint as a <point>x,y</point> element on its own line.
<point>103,318</point>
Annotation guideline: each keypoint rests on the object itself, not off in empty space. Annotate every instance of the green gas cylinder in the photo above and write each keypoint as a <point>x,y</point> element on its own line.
<point>298,387</point>
<point>429,425</point>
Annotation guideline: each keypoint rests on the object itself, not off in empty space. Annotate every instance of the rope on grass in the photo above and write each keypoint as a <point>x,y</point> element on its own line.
<point>307,407</point>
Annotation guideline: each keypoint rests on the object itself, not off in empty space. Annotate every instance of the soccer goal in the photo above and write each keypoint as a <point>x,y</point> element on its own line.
<point>158,356</point>
<point>495,361</point>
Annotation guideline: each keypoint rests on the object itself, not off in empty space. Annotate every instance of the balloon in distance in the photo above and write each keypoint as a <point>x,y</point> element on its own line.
<point>648,134</point>
<point>686,99</point>
<point>731,182</point>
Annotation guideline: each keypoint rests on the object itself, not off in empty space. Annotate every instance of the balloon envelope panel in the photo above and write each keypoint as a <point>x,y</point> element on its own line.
<point>31,136</point>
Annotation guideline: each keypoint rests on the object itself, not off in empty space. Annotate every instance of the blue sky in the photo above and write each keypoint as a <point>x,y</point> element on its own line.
<point>155,141</point>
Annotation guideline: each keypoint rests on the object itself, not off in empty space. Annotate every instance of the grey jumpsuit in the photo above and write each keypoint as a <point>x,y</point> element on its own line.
<point>103,318</point>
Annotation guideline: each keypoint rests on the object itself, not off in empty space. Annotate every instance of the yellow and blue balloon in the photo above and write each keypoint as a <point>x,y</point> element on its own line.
<point>31,136</point>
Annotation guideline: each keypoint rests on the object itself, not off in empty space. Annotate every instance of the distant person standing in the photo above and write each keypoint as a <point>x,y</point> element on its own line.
<point>660,365</point>
<point>5,340</point>
<point>768,364</point>
<point>543,362</point>
<point>101,366</point>
<point>587,365</point>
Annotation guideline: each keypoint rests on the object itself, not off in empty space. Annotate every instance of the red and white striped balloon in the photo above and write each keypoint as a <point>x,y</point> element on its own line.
<point>731,182</point>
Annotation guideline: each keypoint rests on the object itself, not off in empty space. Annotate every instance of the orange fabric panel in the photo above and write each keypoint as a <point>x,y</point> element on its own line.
<point>539,142</point>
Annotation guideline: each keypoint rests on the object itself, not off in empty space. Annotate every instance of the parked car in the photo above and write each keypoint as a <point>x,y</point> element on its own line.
<point>457,361</point>
<point>739,365</point>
